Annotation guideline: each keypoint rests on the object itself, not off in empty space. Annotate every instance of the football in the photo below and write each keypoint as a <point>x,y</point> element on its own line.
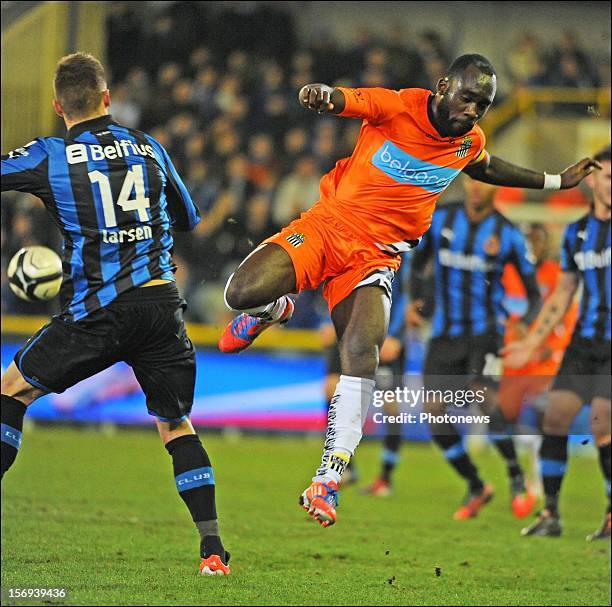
<point>35,273</point>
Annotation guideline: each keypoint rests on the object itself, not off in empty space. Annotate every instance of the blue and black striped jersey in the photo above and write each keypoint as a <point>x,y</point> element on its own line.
<point>399,298</point>
<point>114,194</point>
<point>586,252</point>
<point>468,263</point>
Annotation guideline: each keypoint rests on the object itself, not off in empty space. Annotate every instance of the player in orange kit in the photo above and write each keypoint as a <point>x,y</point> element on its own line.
<point>526,383</point>
<point>374,205</point>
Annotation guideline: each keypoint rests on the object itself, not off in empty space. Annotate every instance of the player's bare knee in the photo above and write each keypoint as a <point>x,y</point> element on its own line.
<point>169,430</point>
<point>232,293</point>
<point>358,358</point>
<point>556,423</point>
<point>240,293</point>
<point>21,391</point>
<point>13,384</point>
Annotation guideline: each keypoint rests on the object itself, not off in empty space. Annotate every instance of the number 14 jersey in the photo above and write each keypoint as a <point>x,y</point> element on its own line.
<point>114,194</point>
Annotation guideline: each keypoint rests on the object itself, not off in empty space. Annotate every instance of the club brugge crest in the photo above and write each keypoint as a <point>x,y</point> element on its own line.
<point>296,239</point>
<point>464,148</point>
<point>492,245</point>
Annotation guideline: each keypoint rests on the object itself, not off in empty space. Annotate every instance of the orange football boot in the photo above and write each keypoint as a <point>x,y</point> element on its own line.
<point>474,503</point>
<point>213,565</point>
<point>320,500</point>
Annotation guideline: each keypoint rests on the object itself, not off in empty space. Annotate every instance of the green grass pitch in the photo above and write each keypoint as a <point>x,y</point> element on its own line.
<point>99,515</point>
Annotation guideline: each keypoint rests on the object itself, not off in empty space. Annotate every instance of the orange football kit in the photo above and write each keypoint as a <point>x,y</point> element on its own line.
<point>526,383</point>
<point>378,202</point>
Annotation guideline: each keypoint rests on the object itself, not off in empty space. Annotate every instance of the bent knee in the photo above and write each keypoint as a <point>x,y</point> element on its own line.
<point>556,424</point>
<point>243,293</point>
<point>237,293</point>
<point>15,386</point>
<point>359,359</point>
<point>168,431</point>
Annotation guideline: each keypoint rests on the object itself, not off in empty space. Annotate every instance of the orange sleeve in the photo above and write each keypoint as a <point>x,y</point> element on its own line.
<point>373,104</point>
<point>512,283</point>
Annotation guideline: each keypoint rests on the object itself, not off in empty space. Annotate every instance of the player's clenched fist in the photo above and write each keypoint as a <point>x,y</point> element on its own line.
<point>317,97</point>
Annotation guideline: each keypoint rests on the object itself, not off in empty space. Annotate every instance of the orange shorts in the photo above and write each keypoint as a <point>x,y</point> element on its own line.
<point>323,249</point>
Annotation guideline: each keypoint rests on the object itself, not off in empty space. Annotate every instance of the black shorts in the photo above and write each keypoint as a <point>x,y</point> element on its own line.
<point>585,369</point>
<point>143,327</point>
<point>388,376</point>
<point>455,363</point>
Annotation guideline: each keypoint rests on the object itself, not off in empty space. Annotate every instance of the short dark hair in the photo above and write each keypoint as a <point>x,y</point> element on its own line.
<point>603,154</point>
<point>459,65</point>
<point>79,82</point>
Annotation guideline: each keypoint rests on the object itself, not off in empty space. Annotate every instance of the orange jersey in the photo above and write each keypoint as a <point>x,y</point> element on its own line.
<point>552,351</point>
<point>386,191</point>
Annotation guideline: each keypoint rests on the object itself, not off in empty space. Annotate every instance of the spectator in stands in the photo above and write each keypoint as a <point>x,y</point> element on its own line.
<point>296,192</point>
<point>204,90</point>
<point>125,110</point>
<point>126,35</point>
<point>570,65</point>
<point>217,86</point>
<point>296,143</point>
<point>524,59</point>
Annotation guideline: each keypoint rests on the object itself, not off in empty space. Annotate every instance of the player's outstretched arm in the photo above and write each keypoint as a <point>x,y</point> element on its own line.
<point>322,98</point>
<point>25,169</point>
<point>500,172</point>
<point>518,353</point>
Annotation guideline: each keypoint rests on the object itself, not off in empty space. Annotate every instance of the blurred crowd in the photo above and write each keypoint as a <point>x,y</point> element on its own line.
<point>218,89</point>
<point>565,65</point>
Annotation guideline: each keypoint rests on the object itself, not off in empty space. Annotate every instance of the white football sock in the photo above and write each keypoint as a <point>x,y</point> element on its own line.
<point>347,414</point>
<point>270,312</point>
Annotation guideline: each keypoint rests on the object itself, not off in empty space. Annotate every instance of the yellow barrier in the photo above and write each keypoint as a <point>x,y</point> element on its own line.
<point>201,335</point>
<point>31,48</point>
<point>524,101</point>
<point>91,29</point>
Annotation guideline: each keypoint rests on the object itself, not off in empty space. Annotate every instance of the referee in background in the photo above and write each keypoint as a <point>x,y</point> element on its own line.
<point>115,195</point>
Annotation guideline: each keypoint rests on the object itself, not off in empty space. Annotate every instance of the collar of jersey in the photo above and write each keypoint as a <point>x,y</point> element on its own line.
<point>89,125</point>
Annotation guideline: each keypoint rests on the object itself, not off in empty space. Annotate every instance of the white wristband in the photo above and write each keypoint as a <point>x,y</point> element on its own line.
<point>552,182</point>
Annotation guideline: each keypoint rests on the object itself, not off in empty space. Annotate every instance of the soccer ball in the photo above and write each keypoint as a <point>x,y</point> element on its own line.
<point>35,273</point>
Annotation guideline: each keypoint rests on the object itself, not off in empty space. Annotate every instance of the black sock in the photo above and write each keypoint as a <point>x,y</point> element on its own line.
<point>505,446</point>
<point>196,485</point>
<point>12,412</point>
<point>553,463</point>
<point>391,447</point>
<point>451,443</point>
<point>604,462</point>
<point>498,434</point>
